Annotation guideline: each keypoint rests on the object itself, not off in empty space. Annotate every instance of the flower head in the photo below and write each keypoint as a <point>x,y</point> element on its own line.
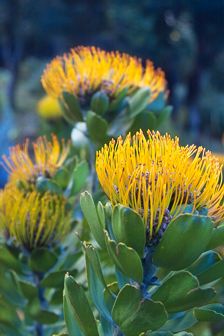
<point>33,219</point>
<point>160,179</point>
<point>49,108</point>
<point>87,69</point>
<point>46,158</point>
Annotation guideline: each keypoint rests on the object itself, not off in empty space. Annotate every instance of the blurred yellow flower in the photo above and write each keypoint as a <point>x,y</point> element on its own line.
<point>88,69</point>
<point>159,179</point>
<point>46,158</point>
<point>33,219</point>
<point>49,108</point>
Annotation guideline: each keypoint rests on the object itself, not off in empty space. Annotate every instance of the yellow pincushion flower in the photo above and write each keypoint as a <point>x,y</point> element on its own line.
<point>46,158</point>
<point>49,108</point>
<point>159,179</point>
<point>33,219</point>
<point>88,69</point>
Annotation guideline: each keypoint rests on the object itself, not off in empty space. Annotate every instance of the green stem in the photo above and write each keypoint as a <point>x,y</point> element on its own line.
<point>92,149</point>
<point>43,303</point>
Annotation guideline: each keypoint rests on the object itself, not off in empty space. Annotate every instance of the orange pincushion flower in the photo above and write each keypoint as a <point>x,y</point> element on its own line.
<point>87,69</point>
<point>48,156</point>
<point>159,179</point>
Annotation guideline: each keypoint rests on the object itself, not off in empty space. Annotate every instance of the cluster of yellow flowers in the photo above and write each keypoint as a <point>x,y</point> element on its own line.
<point>87,69</point>
<point>159,178</point>
<point>153,174</point>
<point>34,219</point>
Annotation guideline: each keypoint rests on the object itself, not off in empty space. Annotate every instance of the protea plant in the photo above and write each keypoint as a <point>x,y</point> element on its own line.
<point>159,229</point>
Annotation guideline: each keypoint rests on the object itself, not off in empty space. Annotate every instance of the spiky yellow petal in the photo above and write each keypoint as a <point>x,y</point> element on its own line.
<point>33,219</point>
<point>87,69</point>
<point>46,158</point>
<point>158,178</point>
<point>220,157</point>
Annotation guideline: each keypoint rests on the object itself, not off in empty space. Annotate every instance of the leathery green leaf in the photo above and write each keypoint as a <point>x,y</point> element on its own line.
<point>204,262</point>
<point>210,313</point>
<point>217,238</point>
<point>96,281</point>
<point>70,320</point>
<point>135,315</point>
<point>81,308</point>
<point>138,102</point>
<point>215,272</point>
<point>181,292</point>
<point>71,107</point>
<point>128,227</point>
<point>89,210</point>
<point>126,259</point>
<point>97,127</point>
<point>187,236</point>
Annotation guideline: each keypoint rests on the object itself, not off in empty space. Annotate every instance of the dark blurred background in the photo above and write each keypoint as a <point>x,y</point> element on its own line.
<point>184,37</point>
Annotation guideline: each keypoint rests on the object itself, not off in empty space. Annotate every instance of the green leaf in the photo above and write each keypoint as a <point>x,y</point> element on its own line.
<point>204,262</point>
<point>110,294</point>
<point>134,315</point>
<point>159,333</point>
<point>215,272</point>
<point>210,313</point>
<point>42,260</point>
<point>81,308</point>
<point>128,227</point>
<point>116,104</point>
<point>99,102</point>
<point>101,214</point>
<point>138,102</point>
<point>145,120</point>
<point>55,279</point>
<point>181,292</point>
<point>11,330</point>
<point>10,289</point>
<point>89,210</point>
<point>97,127</point>
<point>183,333</point>
<point>217,238</point>
<point>71,323</point>
<point>45,317</point>
<point>71,108</point>
<point>164,114</point>
<point>105,328</point>
<point>79,177</point>
<point>28,289</point>
<point>177,324</point>
<point>168,333</point>
<point>187,236</point>
<point>120,124</point>
<point>96,281</point>
<point>8,312</point>
<point>61,177</point>
<point>8,259</point>
<point>56,297</point>
<point>126,259</point>
<point>174,289</point>
<point>47,185</point>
